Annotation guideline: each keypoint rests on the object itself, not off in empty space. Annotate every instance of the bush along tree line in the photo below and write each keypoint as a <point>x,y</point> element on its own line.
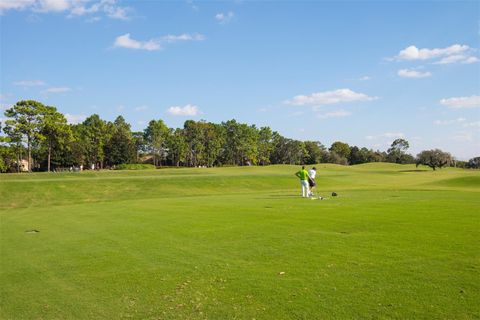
<point>38,138</point>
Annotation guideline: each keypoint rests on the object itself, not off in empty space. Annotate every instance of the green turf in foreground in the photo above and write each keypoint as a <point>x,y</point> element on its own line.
<point>211,243</point>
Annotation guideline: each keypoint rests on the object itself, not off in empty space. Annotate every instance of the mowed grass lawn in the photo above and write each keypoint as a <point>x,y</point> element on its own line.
<point>239,243</point>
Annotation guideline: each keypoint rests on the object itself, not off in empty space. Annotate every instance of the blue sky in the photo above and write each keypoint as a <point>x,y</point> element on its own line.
<point>360,72</point>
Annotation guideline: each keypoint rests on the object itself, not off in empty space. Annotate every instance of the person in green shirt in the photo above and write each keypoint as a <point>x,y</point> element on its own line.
<point>303,176</point>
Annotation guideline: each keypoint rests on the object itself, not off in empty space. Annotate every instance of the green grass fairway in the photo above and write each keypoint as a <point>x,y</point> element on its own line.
<point>239,243</point>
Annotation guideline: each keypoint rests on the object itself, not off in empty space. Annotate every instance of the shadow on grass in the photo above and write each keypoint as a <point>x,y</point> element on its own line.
<point>417,170</point>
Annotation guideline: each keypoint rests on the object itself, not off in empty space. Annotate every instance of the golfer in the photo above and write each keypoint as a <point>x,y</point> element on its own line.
<point>303,176</point>
<point>311,181</point>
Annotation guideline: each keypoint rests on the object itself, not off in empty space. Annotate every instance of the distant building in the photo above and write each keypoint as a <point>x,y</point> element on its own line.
<point>23,165</point>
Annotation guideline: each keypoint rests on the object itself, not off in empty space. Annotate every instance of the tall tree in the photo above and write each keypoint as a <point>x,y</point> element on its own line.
<point>14,140</point>
<point>214,139</point>
<point>94,134</point>
<point>177,146</point>
<point>155,135</point>
<point>334,157</point>
<point>265,145</point>
<point>240,143</point>
<point>77,146</point>
<point>340,148</point>
<point>120,147</point>
<point>316,152</point>
<point>288,151</point>
<point>7,154</point>
<point>194,136</point>
<point>56,131</point>
<point>25,120</point>
<point>139,143</point>
<point>358,156</point>
<point>339,153</point>
<point>232,142</point>
<point>279,153</point>
<point>297,153</point>
<point>397,151</point>
<point>366,155</point>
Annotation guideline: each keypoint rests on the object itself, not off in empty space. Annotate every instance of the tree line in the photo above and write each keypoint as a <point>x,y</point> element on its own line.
<point>41,135</point>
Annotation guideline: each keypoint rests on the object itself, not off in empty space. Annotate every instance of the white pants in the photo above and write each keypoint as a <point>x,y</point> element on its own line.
<point>305,188</point>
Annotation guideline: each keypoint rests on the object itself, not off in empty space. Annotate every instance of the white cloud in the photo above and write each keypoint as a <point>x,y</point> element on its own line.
<point>141,108</point>
<point>29,83</point>
<point>124,41</point>
<point>462,136</point>
<point>115,12</point>
<point>107,7</point>
<point>188,110</point>
<point>81,10</point>
<point>470,60</point>
<point>456,53</point>
<point>192,5</point>
<point>183,37</point>
<point>73,7</point>
<point>296,114</point>
<point>58,90</point>
<point>334,114</point>
<point>458,58</point>
<point>75,118</point>
<point>414,53</point>
<point>383,140</point>
<point>461,102</point>
<point>53,5</point>
<point>224,18</point>
<point>93,19</point>
<point>15,5</point>
<point>409,73</point>
<point>365,78</point>
<point>475,124</point>
<point>447,122</point>
<point>389,135</point>
<point>329,97</point>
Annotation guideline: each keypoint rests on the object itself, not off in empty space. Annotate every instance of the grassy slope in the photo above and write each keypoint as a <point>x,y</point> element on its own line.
<point>210,243</point>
